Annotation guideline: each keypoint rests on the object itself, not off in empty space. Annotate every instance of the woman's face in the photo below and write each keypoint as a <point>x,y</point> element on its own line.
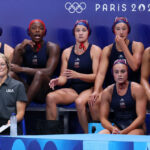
<point>120,73</point>
<point>37,31</point>
<point>81,33</point>
<point>121,29</point>
<point>3,68</point>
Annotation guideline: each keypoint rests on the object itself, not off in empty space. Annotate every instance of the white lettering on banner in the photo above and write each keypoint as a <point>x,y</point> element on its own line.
<point>122,7</point>
<point>97,7</point>
<point>79,7</point>
<point>111,7</point>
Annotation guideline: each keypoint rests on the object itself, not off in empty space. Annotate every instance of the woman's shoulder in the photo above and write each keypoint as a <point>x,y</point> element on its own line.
<point>49,43</point>
<point>66,52</point>
<point>147,51</point>
<point>68,49</point>
<point>108,47</point>
<point>109,89</point>
<point>136,87</point>
<point>137,44</point>
<point>96,47</point>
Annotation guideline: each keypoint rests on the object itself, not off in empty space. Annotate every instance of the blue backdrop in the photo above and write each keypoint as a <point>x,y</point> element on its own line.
<point>60,16</point>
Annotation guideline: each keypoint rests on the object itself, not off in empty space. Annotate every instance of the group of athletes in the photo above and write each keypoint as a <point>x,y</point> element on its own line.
<point>97,81</point>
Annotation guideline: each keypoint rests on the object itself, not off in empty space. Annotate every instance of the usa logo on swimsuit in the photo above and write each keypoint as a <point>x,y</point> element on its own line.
<point>75,7</point>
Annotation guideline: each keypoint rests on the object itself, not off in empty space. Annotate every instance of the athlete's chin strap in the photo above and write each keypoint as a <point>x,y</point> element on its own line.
<point>38,46</point>
<point>82,46</point>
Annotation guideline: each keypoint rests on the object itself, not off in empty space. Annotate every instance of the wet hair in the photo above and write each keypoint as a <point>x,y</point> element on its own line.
<point>6,61</point>
<point>119,20</point>
<point>36,20</point>
<point>84,23</point>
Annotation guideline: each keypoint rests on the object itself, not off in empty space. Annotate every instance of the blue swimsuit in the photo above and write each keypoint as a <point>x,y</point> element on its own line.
<point>124,108</point>
<point>33,59</point>
<point>115,54</point>
<point>82,64</point>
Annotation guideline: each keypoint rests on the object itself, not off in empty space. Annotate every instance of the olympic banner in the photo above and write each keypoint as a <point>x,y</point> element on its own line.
<point>60,16</point>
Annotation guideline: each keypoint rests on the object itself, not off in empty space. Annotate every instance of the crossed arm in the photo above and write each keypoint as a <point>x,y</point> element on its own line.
<point>53,58</point>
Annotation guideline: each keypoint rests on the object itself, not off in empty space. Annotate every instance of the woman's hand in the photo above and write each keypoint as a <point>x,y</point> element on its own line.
<point>120,41</point>
<point>53,83</point>
<point>15,68</point>
<point>70,74</point>
<point>115,131</point>
<point>27,42</point>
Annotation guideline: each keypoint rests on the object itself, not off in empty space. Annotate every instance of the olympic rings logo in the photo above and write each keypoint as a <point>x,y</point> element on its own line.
<point>75,7</point>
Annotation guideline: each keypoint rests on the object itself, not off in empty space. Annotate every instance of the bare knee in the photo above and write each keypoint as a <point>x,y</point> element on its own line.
<point>39,76</point>
<point>79,104</point>
<point>105,131</point>
<point>50,99</point>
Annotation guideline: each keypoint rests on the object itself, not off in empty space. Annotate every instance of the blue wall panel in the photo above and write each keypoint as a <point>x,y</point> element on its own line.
<point>60,16</point>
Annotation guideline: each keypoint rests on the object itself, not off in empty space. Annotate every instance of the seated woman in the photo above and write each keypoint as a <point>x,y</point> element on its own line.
<point>79,68</point>
<point>12,94</point>
<point>35,61</point>
<point>128,101</point>
<point>122,48</point>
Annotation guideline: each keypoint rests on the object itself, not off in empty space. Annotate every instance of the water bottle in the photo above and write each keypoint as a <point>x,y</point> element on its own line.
<point>13,125</point>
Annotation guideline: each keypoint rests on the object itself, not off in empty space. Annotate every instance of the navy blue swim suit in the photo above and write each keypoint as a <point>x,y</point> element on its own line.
<point>115,54</point>
<point>124,108</point>
<point>35,59</point>
<point>82,64</point>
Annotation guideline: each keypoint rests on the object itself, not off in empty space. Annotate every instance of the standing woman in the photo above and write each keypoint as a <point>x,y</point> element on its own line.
<point>79,67</point>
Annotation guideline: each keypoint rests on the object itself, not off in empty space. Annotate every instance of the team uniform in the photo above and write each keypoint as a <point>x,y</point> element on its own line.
<point>11,91</point>
<point>115,54</point>
<point>124,108</point>
<point>82,64</point>
<point>33,59</point>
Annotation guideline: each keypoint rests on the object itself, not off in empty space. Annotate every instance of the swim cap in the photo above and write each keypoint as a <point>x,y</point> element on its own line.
<point>84,23</point>
<point>37,20</point>
<point>119,20</point>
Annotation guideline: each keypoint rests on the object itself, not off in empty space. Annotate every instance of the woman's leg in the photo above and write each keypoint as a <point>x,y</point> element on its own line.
<point>81,102</point>
<point>62,96</point>
<point>137,132</point>
<point>105,131</point>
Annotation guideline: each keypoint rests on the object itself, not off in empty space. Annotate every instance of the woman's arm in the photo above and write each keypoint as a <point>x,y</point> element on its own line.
<point>134,60</point>
<point>139,95</point>
<point>20,110</point>
<point>145,72</point>
<point>95,55</point>
<point>53,58</point>
<point>105,108</point>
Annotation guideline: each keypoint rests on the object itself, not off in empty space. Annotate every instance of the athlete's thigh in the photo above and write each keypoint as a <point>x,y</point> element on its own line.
<point>65,95</point>
<point>137,132</point>
<point>85,95</point>
<point>104,131</point>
